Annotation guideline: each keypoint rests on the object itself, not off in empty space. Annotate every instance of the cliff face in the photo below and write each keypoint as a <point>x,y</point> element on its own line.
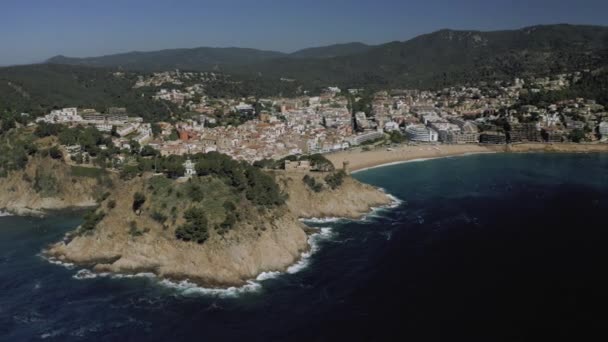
<point>352,199</point>
<point>263,239</point>
<point>48,184</point>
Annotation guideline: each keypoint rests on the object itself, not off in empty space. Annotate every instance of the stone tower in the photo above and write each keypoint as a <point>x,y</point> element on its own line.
<point>345,167</point>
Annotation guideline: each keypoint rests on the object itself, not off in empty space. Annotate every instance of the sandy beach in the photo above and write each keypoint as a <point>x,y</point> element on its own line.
<point>360,160</point>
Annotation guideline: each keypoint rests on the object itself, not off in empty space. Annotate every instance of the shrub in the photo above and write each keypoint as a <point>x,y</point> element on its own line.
<point>133,230</point>
<point>195,192</point>
<point>45,183</point>
<point>55,153</point>
<point>111,204</point>
<point>230,220</point>
<point>312,183</point>
<point>335,179</point>
<point>159,216</point>
<point>91,219</point>
<point>195,229</point>
<point>138,200</point>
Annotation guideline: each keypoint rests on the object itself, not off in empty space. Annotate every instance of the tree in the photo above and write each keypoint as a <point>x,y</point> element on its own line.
<point>195,229</point>
<point>156,130</point>
<point>55,153</point>
<point>174,135</point>
<point>149,151</point>
<point>138,200</point>
<point>135,146</point>
<point>577,135</point>
<point>396,137</point>
<point>335,179</point>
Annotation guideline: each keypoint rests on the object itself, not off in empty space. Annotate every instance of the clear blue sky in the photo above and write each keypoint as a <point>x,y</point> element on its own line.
<point>33,30</point>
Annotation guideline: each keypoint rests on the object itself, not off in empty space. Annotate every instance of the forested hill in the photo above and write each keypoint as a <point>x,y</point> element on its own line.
<point>203,58</point>
<point>445,57</point>
<point>38,88</point>
<point>330,51</point>
<point>450,57</point>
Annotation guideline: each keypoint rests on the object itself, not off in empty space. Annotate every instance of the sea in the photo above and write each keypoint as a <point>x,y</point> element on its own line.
<point>492,247</point>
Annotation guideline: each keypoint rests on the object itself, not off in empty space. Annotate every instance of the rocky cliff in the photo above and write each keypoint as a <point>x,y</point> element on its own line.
<point>352,199</point>
<point>48,184</point>
<point>263,239</point>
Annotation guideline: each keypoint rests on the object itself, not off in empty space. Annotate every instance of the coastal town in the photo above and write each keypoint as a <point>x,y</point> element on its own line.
<point>254,129</point>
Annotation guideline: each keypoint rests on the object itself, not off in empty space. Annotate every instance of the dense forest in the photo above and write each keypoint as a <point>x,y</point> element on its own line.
<point>438,59</point>
<point>592,86</point>
<point>37,89</point>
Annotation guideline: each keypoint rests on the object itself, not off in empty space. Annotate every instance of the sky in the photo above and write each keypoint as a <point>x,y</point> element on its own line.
<point>35,30</point>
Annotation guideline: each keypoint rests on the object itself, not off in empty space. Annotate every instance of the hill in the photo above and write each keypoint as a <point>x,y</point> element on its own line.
<point>203,58</point>
<point>445,57</point>
<point>450,57</point>
<point>330,51</point>
<point>38,88</point>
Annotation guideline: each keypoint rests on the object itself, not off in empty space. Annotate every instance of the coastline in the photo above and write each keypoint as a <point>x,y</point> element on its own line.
<point>365,160</point>
<point>190,286</point>
<point>260,246</point>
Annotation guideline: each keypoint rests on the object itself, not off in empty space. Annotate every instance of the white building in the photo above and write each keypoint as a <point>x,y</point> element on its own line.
<point>367,136</point>
<point>391,126</point>
<point>421,133</point>
<point>603,129</point>
<point>190,168</point>
<point>65,115</point>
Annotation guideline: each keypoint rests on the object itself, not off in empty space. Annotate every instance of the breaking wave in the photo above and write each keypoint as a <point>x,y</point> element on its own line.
<point>188,288</point>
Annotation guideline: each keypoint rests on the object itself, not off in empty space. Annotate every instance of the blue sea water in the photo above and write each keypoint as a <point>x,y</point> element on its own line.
<point>502,247</point>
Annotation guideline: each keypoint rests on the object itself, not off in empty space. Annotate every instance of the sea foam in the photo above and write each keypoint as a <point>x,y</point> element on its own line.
<point>188,288</point>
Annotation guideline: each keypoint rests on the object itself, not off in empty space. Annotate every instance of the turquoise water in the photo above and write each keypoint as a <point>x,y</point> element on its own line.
<point>485,247</point>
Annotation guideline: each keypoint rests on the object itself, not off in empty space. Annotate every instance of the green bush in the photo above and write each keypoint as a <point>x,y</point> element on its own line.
<point>138,200</point>
<point>195,229</point>
<point>159,217</point>
<point>111,204</point>
<point>89,172</point>
<point>195,192</point>
<point>55,153</point>
<point>91,219</point>
<point>45,184</point>
<point>335,179</point>
<point>312,183</point>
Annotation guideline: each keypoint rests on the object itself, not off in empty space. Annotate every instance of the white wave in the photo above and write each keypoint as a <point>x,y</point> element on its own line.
<point>267,275</point>
<point>186,287</point>
<point>57,262</point>
<point>314,240</point>
<point>322,219</point>
<point>88,274</point>
<point>4,213</point>
<point>51,334</point>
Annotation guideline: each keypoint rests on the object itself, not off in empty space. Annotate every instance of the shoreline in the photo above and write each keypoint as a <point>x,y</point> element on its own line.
<point>365,160</point>
<point>188,286</point>
<point>419,160</point>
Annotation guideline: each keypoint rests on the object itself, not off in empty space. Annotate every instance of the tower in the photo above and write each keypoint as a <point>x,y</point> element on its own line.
<point>345,167</point>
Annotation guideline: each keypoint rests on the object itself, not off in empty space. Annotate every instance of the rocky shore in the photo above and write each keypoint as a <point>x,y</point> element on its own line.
<point>48,185</point>
<point>266,241</point>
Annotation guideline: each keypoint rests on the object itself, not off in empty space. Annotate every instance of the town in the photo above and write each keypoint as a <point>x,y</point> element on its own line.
<point>254,129</point>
